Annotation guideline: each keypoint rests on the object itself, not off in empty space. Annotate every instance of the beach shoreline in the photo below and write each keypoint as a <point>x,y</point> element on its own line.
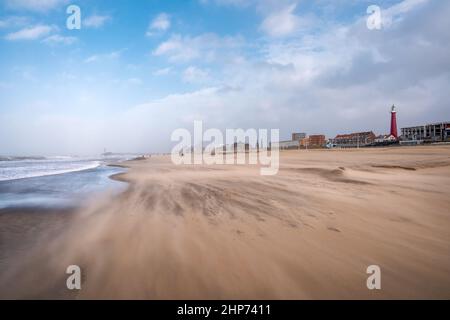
<point>225,232</point>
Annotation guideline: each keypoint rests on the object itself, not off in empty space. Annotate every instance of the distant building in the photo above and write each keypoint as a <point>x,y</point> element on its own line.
<point>316,141</point>
<point>236,147</point>
<point>354,140</point>
<point>304,143</point>
<point>436,132</point>
<point>385,139</point>
<point>298,136</point>
<point>290,144</point>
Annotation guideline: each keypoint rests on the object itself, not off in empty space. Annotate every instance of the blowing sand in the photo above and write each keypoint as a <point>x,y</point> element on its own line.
<point>226,232</point>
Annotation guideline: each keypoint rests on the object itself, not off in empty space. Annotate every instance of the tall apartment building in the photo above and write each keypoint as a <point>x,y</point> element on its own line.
<point>435,132</point>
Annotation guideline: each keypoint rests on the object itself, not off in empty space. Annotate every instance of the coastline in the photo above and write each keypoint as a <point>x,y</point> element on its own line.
<point>51,188</point>
<point>225,232</point>
<point>121,176</point>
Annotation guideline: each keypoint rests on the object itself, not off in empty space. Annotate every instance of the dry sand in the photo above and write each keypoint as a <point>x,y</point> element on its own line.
<point>226,232</point>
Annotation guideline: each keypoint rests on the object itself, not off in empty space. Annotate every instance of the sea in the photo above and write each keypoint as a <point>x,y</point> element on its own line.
<point>52,182</point>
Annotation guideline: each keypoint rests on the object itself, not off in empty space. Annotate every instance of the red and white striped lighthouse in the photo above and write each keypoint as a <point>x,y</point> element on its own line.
<point>394,122</point>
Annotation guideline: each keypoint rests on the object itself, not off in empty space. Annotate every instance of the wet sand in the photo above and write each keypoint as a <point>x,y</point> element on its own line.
<point>226,232</point>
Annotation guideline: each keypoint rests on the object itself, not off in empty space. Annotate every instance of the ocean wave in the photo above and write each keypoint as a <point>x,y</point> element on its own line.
<point>33,169</point>
<point>16,158</point>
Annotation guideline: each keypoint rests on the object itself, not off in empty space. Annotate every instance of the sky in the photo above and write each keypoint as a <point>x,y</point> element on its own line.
<point>137,70</point>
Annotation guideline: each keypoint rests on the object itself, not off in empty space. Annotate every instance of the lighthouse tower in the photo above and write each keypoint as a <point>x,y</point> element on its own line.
<point>394,122</point>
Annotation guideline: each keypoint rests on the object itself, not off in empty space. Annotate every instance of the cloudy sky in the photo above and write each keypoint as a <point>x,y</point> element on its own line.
<point>135,72</point>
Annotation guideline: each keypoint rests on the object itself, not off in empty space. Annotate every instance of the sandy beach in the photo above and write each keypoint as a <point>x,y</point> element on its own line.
<point>226,232</point>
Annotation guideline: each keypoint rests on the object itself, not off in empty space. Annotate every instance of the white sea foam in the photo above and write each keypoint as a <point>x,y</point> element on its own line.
<point>14,170</point>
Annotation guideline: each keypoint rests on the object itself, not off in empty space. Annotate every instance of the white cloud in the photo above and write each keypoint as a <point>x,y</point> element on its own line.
<point>92,58</point>
<point>159,24</point>
<point>102,57</point>
<point>208,47</point>
<point>14,21</point>
<point>281,23</point>
<point>405,6</point>
<point>35,5</point>
<point>58,39</point>
<point>31,33</point>
<point>194,74</point>
<point>95,21</point>
<point>162,72</point>
<point>396,12</point>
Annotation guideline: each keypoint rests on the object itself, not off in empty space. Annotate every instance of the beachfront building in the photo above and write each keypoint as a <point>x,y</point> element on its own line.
<point>298,136</point>
<point>429,133</point>
<point>316,141</point>
<point>385,140</point>
<point>354,140</point>
<point>304,143</point>
<point>286,145</point>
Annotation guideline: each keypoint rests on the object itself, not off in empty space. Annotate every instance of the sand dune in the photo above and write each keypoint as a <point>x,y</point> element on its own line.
<point>225,232</point>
